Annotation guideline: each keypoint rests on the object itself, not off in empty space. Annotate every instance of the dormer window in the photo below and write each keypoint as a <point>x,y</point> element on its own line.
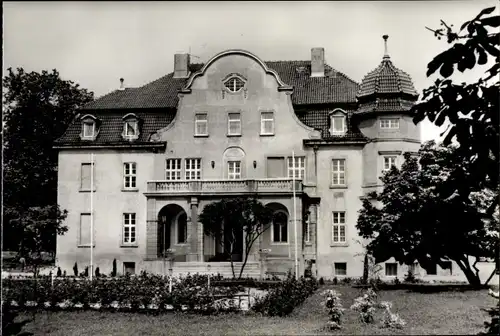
<point>89,127</point>
<point>130,127</point>
<point>338,123</point>
<point>234,83</point>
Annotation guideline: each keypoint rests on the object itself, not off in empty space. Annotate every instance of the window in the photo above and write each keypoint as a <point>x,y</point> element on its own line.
<point>85,178</point>
<point>431,270</point>
<point>88,129</point>
<point>389,123</point>
<point>297,171</point>
<point>337,126</point>
<point>267,123</point>
<point>182,229</point>
<point>391,269</point>
<point>234,124</point>
<point>389,161</point>
<point>280,227</point>
<point>85,224</point>
<point>129,267</point>
<point>129,228</point>
<point>130,128</point>
<point>338,227</point>
<point>201,124</point>
<point>173,169</point>
<point>338,172</point>
<point>448,266</point>
<point>307,231</point>
<point>234,84</point>
<point>193,169</point>
<point>234,170</point>
<point>340,268</point>
<point>129,175</point>
<point>275,167</point>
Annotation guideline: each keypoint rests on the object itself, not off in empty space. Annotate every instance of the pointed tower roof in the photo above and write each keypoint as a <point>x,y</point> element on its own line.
<point>386,88</point>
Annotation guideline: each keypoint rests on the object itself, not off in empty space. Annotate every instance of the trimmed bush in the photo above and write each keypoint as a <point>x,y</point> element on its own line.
<point>282,300</point>
<point>335,310</point>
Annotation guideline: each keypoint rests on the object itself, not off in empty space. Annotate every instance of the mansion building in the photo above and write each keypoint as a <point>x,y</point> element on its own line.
<point>142,163</point>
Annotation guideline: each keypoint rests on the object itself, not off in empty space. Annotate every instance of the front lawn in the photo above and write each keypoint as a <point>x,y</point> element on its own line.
<point>436,313</point>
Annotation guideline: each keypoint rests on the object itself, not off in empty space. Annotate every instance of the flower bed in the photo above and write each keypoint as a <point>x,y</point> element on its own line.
<point>138,293</point>
<point>282,299</point>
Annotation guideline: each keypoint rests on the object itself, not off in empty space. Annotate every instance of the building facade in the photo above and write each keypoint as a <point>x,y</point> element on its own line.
<point>139,164</point>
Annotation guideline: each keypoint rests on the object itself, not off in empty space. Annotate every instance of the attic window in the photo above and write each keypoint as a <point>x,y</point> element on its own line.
<point>130,127</point>
<point>234,84</point>
<point>301,69</point>
<point>89,127</point>
<point>338,123</point>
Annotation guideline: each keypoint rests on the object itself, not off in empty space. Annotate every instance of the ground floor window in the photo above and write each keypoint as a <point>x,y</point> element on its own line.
<point>280,227</point>
<point>391,269</point>
<point>340,268</point>
<point>129,268</point>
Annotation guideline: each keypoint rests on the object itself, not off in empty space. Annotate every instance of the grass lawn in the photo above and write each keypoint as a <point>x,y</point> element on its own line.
<point>425,314</point>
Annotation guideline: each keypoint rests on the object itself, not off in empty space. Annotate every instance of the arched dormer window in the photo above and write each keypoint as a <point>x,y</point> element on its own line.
<point>89,127</point>
<point>130,127</point>
<point>338,122</point>
<point>234,83</point>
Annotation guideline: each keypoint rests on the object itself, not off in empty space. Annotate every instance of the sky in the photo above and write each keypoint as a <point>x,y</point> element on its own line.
<point>96,43</point>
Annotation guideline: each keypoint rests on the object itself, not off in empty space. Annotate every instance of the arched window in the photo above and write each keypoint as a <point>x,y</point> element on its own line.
<point>280,227</point>
<point>338,125</point>
<point>234,84</point>
<point>130,127</point>
<point>89,127</point>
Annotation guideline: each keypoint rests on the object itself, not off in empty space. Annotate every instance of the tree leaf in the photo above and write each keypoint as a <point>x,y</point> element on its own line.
<point>446,70</point>
<point>483,57</point>
<point>493,21</point>
<point>488,10</point>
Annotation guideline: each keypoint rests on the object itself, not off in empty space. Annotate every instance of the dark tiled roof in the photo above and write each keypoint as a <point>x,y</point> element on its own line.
<point>386,79</point>
<point>319,119</point>
<point>111,127</point>
<point>385,105</point>
<point>334,87</point>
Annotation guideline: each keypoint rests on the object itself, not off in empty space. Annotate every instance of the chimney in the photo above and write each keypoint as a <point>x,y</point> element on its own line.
<point>317,62</point>
<point>181,65</point>
<point>122,86</point>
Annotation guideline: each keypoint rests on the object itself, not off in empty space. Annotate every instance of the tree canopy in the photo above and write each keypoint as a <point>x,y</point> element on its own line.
<point>415,219</point>
<point>470,108</point>
<point>233,218</point>
<point>37,109</point>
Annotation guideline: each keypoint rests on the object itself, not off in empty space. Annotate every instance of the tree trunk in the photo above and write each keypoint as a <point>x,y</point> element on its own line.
<point>365,269</point>
<point>472,278</point>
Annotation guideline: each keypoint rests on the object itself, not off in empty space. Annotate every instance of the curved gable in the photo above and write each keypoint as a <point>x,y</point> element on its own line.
<point>282,85</point>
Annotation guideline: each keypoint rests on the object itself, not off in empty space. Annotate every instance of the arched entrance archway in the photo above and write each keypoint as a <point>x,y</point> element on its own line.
<point>279,225</point>
<point>172,228</point>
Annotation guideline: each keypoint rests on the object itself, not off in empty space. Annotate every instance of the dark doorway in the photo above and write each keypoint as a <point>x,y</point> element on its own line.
<point>167,220</point>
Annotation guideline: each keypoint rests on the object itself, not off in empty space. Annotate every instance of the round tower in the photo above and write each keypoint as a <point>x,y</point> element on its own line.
<point>385,98</point>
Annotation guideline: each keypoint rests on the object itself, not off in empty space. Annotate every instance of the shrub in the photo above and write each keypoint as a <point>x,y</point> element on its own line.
<point>281,301</point>
<point>410,276</point>
<point>365,305</point>
<point>321,281</point>
<point>114,272</point>
<point>59,273</point>
<point>335,309</point>
<point>390,319</point>
<point>75,269</point>
<point>11,327</point>
<point>335,281</point>
<point>86,272</point>
<point>97,272</point>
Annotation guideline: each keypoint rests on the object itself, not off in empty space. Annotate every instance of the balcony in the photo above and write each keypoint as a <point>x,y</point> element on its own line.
<point>223,187</point>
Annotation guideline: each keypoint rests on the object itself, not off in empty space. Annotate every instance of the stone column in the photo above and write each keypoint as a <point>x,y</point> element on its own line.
<point>151,230</point>
<point>193,230</point>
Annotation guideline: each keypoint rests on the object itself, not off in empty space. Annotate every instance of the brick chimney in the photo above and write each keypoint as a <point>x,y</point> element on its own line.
<point>181,65</point>
<point>317,62</point>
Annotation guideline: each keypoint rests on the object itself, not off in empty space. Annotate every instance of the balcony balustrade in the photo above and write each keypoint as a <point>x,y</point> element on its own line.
<point>208,187</point>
